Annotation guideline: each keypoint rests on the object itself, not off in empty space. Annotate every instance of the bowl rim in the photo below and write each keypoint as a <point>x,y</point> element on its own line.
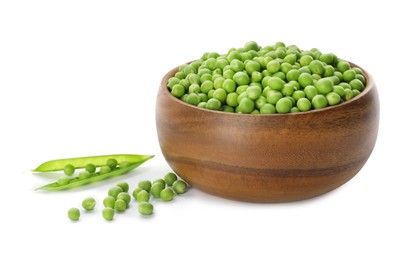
<point>370,84</point>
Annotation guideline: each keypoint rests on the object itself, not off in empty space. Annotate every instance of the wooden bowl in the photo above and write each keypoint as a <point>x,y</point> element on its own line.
<point>267,158</point>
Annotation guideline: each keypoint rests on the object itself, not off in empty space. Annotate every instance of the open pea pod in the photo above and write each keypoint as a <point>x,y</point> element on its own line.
<point>81,162</point>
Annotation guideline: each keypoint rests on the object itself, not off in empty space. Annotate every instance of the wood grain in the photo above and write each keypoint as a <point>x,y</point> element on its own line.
<point>267,158</point>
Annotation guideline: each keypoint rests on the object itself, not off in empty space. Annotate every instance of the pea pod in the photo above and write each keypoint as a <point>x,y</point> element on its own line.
<point>81,162</point>
<point>78,182</point>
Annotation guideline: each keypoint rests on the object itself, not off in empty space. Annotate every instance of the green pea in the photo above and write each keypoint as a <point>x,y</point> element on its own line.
<point>260,102</point>
<point>237,65</point>
<point>213,104</point>
<point>229,85</point>
<point>170,178</point>
<point>356,84</point>
<point>241,78</point>
<point>108,213</point>
<point>63,180</point>
<point>339,90</point>
<point>193,99</point>
<point>297,94</point>
<point>145,208</point>
<point>360,78</point>
<point>167,194</point>
<point>143,196</point>
<point>254,92</point>
<point>273,66</point>
<point>206,86</point>
<point>135,192</point>
<point>305,60</point>
<point>84,175</point>
<point>348,94</point>
<point>275,83</point>
<point>220,94</point>
<point>105,169</point>
<point>324,86</point>
<point>283,105</point>
<point>305,79</point>
<point>316,67</point>
<point>231,99</point>
<point>69,169</point>
<point>227,108</point>
<point>327,58</point>
<point>329,71</point>
<point>112,163</point>
<point>256,76</point>
<point>356,92</point>
<point>156,189</point>
<point>292,74</point>
<point>285,67</point>
<point>273,96</point>
<point>303,104</point>
<point>319,101</point>
<point>145,185</point>
<point>109,202</point>
<point>246,105</point>
<point>178,90</point>
<point>268,109</point>
<point>74,214</point>
<point>252,66</point>
<point>179,187</point>
<point>90,168</point>
<point>343,66</point>
<point>124,186</point>
<point>161,181</point>
<point>114,191</point>
<point>288,89</point>
<point>124,196</point>
<point>333,98</point>
<point>88,203</point>
<point>310,92</point>
<point>120,205</point>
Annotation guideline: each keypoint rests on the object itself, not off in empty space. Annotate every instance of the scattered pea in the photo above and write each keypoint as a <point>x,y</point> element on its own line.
<point>157,188</point>
<point>160,180</point>
<point>74,214</point>
<point>143,196</point>
<point>145,208</point>
<point>145,185</point>
<point>136,191</point>
<point>120,205</point>
<point>88,204</point>
<point>114,191</point>
<point>179,187</point>
<point>170,178</point>
<point>124,186</point>
<point>109,202</point>
<point>124,196</point>
<point>108,213</point>
<point>167,194</point>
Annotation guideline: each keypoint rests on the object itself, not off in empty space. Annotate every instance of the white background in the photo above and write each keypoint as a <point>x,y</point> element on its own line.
<point>80,78</point>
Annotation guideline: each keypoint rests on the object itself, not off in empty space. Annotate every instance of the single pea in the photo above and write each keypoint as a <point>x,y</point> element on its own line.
<point>124,196</point>
<point>241,89</point>
<point>294,110</point>
<point>73,214</point>
<point>108,213</point>
<point>319,101</point>
<point>310,92</point>
<point>290,58</point>
<point>63,180</point>
<point>348,94</point>
<point>114,191</point>
<point>252,66</point>
<point>273,96</point>
<point>178,90</point>
<point>90,168</point>
<point>124,164</point>
<point>232,99</point>
<point>206,86</point>
<point>237,65</point>
<point>203,97</point>
<point>220,94</point>
<point>193,99</point>
<point>229,85</point>
<point>360,78</point>
<point>120,205</point>
<point>145,185</point>
<point>221,63</point>
<point>256,76</point>
<point>356,92</point>
<point>333,98</point>
<point>135,192</point>
<point>69,169</point>
<point>145,208</point>
<point>292,74</point>
<point>305,79</point>
<point>112,163</point>
<point>179,187</point>
<point>194,88</point>
<point>305,60</point>
<point>246,105</point>
<point>227,108</point>
<point>273,66</point>
<point>316,67</point>
<point>343,66</point>
<point>228,73</point>
<point>268,109</point>
<point>202,104</point>
<point>260,102</point>
<point>254,92</point>
<point>241,78</point>
<point>349,75</point>
<point>339,90</point>
<point>170,178</point>
<point>283,105</point>
<point>285,67</point>
<point>356,84</point>
<point>213,104</point>
<point>124,186</point>
<point>143,196</point>
<point>303,104</point>
<point>84,175</point>
<point>288,89</point>
<point>324,86</point>
<point>156,189</point>
<point>160,180</point>
<point>109,202</point>
<point>327,58</point>
<point>88,203</point>
<point>298,94</point>
<point>275,83</point>
<point>105,169</point>
<point>328,71</point>
<point>167,194</point>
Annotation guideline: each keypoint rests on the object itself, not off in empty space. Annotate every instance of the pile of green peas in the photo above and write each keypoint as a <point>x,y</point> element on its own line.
<point>118,197</point>
<point>267,80</point>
